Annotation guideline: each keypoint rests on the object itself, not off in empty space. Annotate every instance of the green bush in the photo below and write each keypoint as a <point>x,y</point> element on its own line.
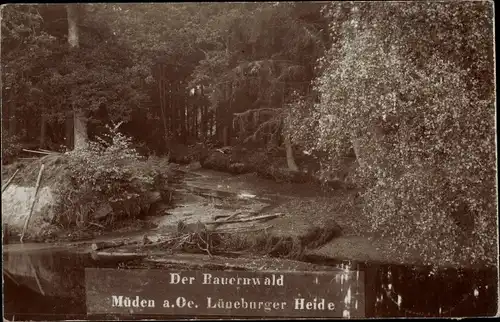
<point>109,171</point>
<point>409,87</point>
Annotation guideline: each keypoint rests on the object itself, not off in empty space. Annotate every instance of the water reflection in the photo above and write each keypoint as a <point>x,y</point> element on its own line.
<point>397,291</point>
<point>46,272</point>
<point>44,284</point>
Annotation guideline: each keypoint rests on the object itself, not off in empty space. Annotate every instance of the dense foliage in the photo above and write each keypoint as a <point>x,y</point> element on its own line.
<point>109,172</point>
<point>197,61</point>
<point>45,78</point>
<point>409,87</point>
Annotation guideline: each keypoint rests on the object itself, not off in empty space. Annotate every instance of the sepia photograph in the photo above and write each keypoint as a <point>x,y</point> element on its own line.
<point>249,160</point>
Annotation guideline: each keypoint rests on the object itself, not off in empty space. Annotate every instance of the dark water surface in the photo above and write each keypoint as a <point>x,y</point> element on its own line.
<point>50,285</point>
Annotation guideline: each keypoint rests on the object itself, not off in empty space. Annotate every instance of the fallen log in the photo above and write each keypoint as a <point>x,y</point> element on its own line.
<point>207,262</point>
<point>113,243</point>
<point>238,263</point>
<point>48,151</point>
<point>238,230</point>
<point>220,216</point>
<point>244,219</point>
<point>39,152</point>
<point>232,216</point>
<point>117,255</point>
<point>121,254</point>
<point>9,181</point>
<point>163,241</point>
<point>227,217</point>
<point>95,224</point>
<point>33,203</point>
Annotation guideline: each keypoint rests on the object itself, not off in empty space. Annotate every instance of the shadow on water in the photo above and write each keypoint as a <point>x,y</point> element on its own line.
<point>45,285</point>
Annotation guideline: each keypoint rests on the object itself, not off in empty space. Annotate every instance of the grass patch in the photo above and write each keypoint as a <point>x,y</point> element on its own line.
<point>56,168</point>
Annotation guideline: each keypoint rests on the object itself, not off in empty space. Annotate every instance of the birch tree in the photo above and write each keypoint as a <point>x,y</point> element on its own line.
<point>79,117</point>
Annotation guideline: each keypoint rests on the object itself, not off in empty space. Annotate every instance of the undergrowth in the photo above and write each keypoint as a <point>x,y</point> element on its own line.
<point>108,173</point>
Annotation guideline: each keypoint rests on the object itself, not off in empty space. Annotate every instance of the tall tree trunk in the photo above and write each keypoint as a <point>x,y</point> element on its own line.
<point>69,130</point>
<point>221,118</point>
<point>290,160</point>
<point>182,111</point>
<point>170,112</point>
<point>177,122</point>
<point>218,125</point>
<point>186,123</point>
<point>211,124</point>
<point>195,123</point>
<point>80,136</point>
<point>192,117</point>
<point>80,121</point>
<point>228,117</point>
<point>205,122</point>
<point>204,116</point>
<point>161,88</point>
<point>225,135</point>
<point>189,117</point>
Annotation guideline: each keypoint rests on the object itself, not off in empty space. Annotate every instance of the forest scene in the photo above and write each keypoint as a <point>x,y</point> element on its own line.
<point>372,123</point>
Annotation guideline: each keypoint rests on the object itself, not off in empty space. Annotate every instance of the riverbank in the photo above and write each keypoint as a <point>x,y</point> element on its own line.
<point>313,222</point>
<point>206,195</point>
<point>77,195</point>
<point>307,205</point>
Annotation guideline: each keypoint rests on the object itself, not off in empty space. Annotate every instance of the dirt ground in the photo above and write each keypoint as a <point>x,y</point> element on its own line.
<point>306,209</point>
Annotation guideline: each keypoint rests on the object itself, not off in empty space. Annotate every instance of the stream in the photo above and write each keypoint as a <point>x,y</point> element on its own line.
<point>48,283</point>
<point>390,290</point>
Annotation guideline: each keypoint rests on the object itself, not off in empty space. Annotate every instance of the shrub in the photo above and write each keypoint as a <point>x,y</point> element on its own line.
<point>109,171</point>
<point>409,86</point>
<point>11,147</point>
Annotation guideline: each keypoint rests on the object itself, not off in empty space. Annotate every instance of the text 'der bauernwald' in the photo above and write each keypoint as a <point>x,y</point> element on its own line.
<point>222,293</point>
